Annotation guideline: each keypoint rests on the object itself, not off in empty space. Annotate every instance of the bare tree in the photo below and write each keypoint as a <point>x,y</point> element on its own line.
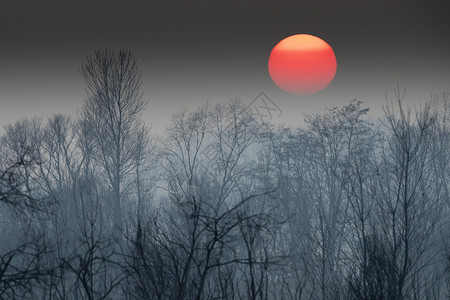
<point>331,141</point>
<point>22,245</point>
<point>239,210</point>
<point>113,109</point>
<point>408,206</point>
<point>198,235</point>
<point>21,160</point>
<point>93,259</point>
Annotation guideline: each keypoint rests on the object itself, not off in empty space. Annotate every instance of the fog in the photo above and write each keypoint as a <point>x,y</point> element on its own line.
<point>225,203</point>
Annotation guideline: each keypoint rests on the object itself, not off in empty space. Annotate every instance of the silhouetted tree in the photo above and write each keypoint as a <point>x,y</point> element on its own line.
<point>113,110</point>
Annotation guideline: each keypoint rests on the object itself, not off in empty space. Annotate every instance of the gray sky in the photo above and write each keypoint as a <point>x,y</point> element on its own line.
<point>191,52</point>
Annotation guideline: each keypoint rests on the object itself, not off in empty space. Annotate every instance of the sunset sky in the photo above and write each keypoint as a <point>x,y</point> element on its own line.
<point>191,52</point>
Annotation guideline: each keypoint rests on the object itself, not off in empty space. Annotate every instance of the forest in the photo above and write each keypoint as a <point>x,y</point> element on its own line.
<point>223,206</point>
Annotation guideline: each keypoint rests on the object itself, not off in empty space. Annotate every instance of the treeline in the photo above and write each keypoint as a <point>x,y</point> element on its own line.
<point>223,207</point>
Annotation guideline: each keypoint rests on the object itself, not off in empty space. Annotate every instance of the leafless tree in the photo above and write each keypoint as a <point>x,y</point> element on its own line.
<point>199,234</point>
<point>93,258</point>
<point>113,108</point>
<point>222,207</point>
<point>21,244</point>
<point>408,206</point>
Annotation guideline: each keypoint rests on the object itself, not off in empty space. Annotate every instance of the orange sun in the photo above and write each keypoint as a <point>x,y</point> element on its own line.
<point>302,64</point>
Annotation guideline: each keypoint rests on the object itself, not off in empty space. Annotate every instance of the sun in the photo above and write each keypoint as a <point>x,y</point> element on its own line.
<point>302,64</point>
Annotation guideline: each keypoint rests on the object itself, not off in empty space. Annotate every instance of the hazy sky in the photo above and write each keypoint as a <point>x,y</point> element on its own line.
<point>191,52</point>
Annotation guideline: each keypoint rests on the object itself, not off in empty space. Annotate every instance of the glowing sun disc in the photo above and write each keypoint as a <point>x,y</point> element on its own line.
<point>302,64</point>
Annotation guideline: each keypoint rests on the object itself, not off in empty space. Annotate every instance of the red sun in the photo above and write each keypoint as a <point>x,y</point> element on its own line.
<point>302,64</point>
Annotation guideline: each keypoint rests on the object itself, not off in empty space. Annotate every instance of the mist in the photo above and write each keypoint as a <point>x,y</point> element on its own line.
<point>145,152</point>
<point>225,203</point>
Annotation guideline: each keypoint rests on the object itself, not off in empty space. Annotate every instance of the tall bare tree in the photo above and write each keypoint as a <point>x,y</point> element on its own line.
<point>408,205</point>
<point>113,108</point>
